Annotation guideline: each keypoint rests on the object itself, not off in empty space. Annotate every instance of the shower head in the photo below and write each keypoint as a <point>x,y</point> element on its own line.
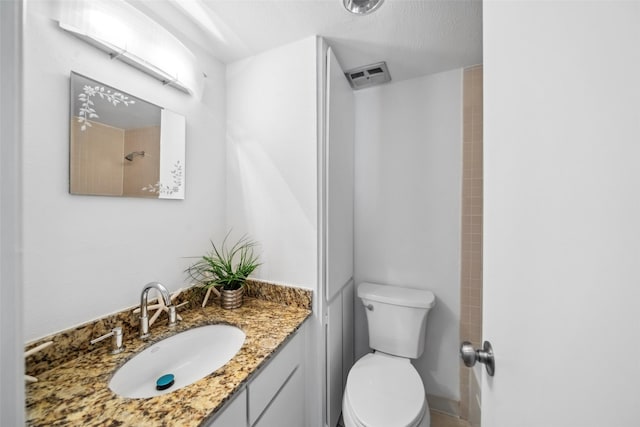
<point>131,155</point>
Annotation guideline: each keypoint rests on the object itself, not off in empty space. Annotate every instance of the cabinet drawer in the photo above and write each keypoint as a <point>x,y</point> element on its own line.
<point>272,377</point>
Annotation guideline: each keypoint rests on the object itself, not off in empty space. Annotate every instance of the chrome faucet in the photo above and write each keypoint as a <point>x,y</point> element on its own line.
<point>144,312</point>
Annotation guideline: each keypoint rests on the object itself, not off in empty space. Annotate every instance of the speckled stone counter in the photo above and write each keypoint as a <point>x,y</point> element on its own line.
<point>75,392</point>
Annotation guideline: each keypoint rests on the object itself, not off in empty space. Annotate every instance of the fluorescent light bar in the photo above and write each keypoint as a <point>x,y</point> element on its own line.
<point>137,41</point>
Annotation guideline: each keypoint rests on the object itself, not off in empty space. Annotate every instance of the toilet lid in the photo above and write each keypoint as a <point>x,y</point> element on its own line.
<point>385,391</point>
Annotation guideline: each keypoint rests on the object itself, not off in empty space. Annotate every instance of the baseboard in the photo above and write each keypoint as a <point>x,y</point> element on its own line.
<point>444,405</point>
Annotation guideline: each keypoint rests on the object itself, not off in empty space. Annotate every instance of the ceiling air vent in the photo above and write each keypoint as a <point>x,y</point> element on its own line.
<point>369,75</point>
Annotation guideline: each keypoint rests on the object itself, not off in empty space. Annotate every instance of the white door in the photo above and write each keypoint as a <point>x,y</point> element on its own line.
<point>562,213</point>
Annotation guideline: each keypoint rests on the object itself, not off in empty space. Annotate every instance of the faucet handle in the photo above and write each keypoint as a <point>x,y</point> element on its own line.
<point>117,335</point>
<point>173,313</point>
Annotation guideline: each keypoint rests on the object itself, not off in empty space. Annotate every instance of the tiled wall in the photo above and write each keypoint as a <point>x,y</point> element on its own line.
<point>96,159</point>
<point>471,266</point>
<point>98,165</point>
<point>145,170</point>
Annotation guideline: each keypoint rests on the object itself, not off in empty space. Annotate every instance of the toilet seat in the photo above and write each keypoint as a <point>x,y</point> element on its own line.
<point>384,391</point>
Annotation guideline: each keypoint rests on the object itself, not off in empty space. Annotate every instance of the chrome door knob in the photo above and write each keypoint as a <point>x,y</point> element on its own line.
<point>470,356</point>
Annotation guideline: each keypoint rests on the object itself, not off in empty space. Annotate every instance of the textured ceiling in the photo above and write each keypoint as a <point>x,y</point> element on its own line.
<point>414,37</point>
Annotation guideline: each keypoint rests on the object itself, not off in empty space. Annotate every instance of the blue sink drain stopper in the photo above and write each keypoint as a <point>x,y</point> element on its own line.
<point>165,381</point>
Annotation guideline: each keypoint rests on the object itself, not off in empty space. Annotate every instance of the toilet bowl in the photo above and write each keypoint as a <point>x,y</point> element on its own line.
<point>384,391</point>
<point>383,388</point>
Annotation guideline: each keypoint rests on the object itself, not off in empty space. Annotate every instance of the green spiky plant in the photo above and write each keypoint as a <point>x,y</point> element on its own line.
<point>226,266</point>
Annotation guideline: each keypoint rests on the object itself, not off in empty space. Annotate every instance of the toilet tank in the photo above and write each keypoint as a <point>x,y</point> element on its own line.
<point>397,318</point>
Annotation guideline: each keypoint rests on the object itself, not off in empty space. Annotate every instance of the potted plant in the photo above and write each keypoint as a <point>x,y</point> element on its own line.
<point>226,267</point>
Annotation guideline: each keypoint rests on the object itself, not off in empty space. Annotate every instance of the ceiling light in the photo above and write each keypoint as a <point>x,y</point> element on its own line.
<point>362,7</point>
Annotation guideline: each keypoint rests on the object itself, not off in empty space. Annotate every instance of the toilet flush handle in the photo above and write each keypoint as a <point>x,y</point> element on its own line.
<point>369,307</point>
<point>470,356</point>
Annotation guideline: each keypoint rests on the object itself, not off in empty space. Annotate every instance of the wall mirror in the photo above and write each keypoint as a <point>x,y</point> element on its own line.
<point>121,145</point>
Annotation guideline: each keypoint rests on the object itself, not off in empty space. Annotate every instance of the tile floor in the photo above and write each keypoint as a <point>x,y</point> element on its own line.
<point>438,419</point>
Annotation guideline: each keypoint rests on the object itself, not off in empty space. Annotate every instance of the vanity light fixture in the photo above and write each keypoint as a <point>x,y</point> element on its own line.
<point>127,34</point>
<point>362,7</point>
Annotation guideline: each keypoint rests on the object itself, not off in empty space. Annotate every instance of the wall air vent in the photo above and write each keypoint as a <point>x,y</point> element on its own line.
<point>369,75</point>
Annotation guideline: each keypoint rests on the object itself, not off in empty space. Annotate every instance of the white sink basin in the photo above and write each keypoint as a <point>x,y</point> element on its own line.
<point>189,356</point>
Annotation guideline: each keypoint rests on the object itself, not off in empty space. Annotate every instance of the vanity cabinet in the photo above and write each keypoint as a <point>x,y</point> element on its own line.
<point>233,414</point>
<point>275,396</point>
<point>287,407</point>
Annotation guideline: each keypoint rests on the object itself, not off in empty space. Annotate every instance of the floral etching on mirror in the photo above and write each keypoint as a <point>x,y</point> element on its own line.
<point>87,106</point>
<point>167,190</point>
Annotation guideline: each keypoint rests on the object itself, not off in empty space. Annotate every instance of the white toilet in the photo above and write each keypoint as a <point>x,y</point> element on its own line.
<point>383,388</point>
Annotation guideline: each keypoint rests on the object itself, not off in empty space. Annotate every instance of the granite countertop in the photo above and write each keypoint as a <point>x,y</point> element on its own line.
<point>76,392</point>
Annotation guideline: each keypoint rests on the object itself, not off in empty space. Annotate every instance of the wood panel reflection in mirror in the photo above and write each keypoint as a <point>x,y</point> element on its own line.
<point>121,145</point>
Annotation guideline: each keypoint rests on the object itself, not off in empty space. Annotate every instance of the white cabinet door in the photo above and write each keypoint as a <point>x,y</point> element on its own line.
<point>333,331</point>
<point>339,234</point>
<point>287,408</point>
<point>348,351</point>
<point>339,178</point>
<point>234,414</point>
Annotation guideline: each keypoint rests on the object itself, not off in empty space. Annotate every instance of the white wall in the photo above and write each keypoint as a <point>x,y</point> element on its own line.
<point>272,184</point>
<point>562,236</point>
<point>407,207</point>
<point>85,256</point>
<point>272,159</point>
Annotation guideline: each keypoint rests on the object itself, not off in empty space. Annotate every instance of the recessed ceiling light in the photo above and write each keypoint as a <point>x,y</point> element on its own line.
<point>362,7</point>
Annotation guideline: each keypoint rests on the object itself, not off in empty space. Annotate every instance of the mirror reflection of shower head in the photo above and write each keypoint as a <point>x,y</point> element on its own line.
<point>362,7</point>
<point>133,154</point>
